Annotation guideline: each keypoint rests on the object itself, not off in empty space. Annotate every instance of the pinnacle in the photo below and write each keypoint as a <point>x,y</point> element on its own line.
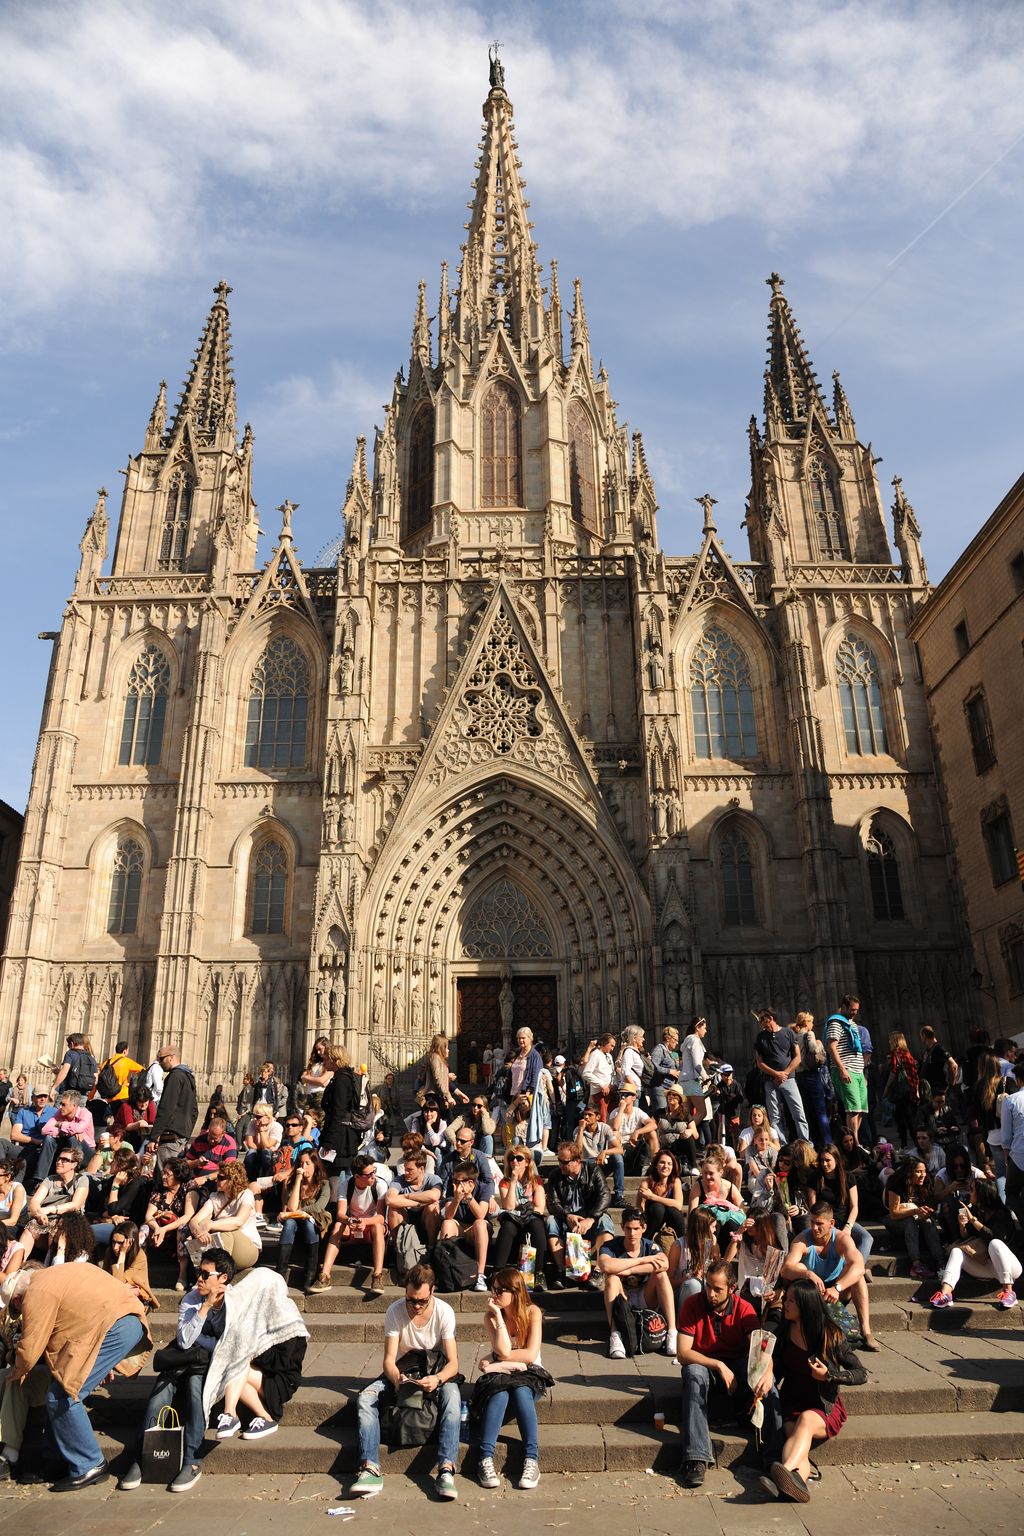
<point>790,380</point>
<point>208,394</point>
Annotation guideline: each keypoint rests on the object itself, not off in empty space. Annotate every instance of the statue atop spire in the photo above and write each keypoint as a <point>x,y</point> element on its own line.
<point>497,70</point>
<point>208,394</point>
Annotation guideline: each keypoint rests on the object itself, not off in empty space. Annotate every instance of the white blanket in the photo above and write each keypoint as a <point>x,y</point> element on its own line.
<point>259,1313</point>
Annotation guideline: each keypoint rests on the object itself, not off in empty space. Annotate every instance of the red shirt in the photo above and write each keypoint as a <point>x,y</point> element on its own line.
<point>724,1336</point>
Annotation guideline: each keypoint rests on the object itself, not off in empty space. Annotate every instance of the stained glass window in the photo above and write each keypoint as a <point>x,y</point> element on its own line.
<point>860,694</point>
<point>269,888</point>
<point>125,886</point>
<point>275,736</point>
<point>145,706</point>
<point>721,698</point>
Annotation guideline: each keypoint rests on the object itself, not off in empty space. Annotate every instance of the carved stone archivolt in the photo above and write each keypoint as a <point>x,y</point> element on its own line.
<point>504,924</point>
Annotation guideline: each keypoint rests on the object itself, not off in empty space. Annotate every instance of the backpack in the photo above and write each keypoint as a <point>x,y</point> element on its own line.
<point>643,1332</point>
<point>453,1267</point>
<point>648,1073</point>
<point>81,1074</point>
<point>410,1249</point>
<point>108,1083</point>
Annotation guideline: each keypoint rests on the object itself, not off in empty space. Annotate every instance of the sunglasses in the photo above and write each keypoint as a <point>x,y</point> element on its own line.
<point>517,1157</point>
<point>417,1301</point>
<point>567,1162</point>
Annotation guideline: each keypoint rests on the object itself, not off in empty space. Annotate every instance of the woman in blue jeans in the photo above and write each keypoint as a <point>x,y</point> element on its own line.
<point>513,1327</point>
<point>304,1214</point>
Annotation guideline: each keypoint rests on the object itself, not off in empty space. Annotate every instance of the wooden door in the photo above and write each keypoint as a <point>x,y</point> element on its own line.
<point>479,1022</point>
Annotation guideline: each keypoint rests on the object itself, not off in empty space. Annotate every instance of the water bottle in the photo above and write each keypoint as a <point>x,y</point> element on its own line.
<point>463,1419</point>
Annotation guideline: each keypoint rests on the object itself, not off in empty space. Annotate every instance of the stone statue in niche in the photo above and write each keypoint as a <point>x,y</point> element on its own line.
<point>416,1010</point>
<point>595,1008</point>
<point>323,1001</point>
<point>656,666</point>
<point>331,820</point>
<point>670,978</point>
<point>633,1001</point>
<point>348,820</point>
<point>346,665</point>
<point>377,1005</point>
<point>435,1013</point>
<point>613,1009</point>
<point>576,1012</point>
<point>338,1000</point>
<point>397,1007</point>
<point>507,1006</point>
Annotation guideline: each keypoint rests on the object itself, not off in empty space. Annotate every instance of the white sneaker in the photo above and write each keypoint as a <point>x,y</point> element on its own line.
<point>616,1348</point>
<point>531,1473</point>
<point>227,1425</point>
<point>486,1473</point>
<point>671,1342</point>
<point>480,1284</point>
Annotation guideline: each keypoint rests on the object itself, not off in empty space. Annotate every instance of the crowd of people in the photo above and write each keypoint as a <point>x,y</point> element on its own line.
<point>747,1229</point>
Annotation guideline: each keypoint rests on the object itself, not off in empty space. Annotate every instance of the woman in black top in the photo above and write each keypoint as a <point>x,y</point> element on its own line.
<point>985,1229</point>
<point>339,1106</point>
<point>844,1198</point>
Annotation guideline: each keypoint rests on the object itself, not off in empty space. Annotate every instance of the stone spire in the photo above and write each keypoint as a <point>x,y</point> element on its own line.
<point>421,328</point>
<point>157,420</point>
<point>208,395</point>
<point>907,536</point>
<point>499,276</point>
<point>555,315</point>
<point>791,386</point>
<point>444,315</point>
<point>841,411</point>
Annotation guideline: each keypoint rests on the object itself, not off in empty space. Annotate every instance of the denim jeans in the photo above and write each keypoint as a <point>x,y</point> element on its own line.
<point>305,1228</point>
<point>698,1383</point>
<point>812,1094</point>
<point>102,1231</point>
<point>525,1409</point>
<point>68,1418</point>
<point>259,1164</point>
<point>614,1161</point>
<point>368,1409</point>
<point>189,1390</point>
<point>862,1241</point>
<point>774,1093</point>
<point>48,1152</point>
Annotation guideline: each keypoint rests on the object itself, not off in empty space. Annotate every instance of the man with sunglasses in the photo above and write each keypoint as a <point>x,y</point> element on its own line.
<point>418,1330</point>
<point>577,1202</point>
<point>466,1152</point>
<point>362,1218</point>
<point>201,1321</point>
<point>27,1129</point>
<point>477,1118</point>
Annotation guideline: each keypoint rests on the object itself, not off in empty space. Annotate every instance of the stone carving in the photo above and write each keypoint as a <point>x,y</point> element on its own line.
<point>377,1005</point>
<point>507,1005</point>
<point>504,925</point>
<point>576,1012</point>
<point>397,1007</point>
<point>595,1008</point>
<point>633,1001</point>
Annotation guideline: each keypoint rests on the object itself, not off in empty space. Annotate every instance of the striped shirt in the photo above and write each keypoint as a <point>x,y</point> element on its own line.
<point>852,1060</point>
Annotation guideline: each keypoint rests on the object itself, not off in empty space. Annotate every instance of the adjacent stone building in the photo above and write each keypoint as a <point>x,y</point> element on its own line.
<point>969,636</point>
<point>498,734</point>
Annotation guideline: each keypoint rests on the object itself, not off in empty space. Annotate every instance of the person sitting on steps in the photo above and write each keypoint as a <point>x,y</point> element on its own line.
<point>464,1212</point>
<point>637,1269</point>
<point>362,1218</point>
<point>829,1258</point>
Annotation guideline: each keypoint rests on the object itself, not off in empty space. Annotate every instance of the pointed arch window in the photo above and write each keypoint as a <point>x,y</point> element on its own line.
<point>860,693</point>
<point>721,698</point>
<point>833,543</point>
<point>177,521</point>
<point>582,473</point>
<point>884,877</point>
<point>419,482</point>
<point>275,735</point>
<point>501,478</point>
<point>268,888</point>
<point>145,708</point>
<point>736,869</point>
<point>125,886</point>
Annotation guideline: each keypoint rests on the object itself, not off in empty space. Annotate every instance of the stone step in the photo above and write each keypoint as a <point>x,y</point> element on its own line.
<point>597,1447</point>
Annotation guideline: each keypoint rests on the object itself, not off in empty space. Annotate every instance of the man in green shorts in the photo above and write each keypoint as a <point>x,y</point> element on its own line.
<point>846,1057</point>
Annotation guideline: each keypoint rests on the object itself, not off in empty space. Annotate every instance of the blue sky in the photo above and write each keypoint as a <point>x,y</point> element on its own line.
<point>318,155</point>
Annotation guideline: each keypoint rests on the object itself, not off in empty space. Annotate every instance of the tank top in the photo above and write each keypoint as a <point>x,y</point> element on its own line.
<point>828,1266</point>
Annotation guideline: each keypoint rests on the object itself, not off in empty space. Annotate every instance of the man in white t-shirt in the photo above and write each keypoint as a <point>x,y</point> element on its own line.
<point>420,1322</point>
<point>633,1125</point>
<point>600,1144</point>
<point>597,1065</point>
<point>362,1218</point>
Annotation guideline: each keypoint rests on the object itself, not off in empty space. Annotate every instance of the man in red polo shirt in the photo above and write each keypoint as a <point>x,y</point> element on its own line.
<point>714,1339</point>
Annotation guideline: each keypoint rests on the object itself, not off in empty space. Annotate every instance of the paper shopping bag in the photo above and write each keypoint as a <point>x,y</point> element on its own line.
<point>163,1448</point>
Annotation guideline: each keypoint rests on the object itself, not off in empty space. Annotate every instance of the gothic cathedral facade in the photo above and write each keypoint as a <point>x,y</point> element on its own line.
<point>498,734</point>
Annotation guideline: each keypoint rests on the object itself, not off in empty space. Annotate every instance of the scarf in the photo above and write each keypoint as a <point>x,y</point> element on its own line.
<point>258,1313</point>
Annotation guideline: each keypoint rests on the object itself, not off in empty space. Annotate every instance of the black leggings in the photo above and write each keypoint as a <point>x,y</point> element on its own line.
<point>511,1236</point>
<point>657,1216</point>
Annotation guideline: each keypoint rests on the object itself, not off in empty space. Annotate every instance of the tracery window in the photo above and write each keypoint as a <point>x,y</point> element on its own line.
<point>884,877</point>
<point>125,886</point>
<point>275,735</point>
<point>833,543</point>
<point>721,698</point>
<point>582,472</point>
<point>860,694</point>
<point>269,888</point>
<point>177,521</point>
<point>736,867</point>
<point>145,708</point>
<point>500,481</point>
<point>419,482</point>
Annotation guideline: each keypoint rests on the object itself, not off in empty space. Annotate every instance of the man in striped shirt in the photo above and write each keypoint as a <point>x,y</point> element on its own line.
<point>846,1055</point>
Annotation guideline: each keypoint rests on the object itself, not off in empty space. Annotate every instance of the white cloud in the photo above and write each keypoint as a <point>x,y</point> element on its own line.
<point>139,134</point>
<point>299,417</point>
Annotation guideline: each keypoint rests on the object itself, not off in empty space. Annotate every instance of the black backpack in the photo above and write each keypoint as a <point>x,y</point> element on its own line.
<point>81,1074</point>
<point>643,1331</point>
<point>454,1269</point>
<point>648,1072</point>
<point>108,1083</point>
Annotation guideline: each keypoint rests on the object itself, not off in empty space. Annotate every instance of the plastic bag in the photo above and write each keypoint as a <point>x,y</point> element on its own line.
<point>759,1354</point>
<point>528,1265</point>
<point>577,1257</point>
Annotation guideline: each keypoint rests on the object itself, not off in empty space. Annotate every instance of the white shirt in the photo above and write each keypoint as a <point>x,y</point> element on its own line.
<point>440,1325</point>
<point>631,1067</point>
<point>598,1071</point>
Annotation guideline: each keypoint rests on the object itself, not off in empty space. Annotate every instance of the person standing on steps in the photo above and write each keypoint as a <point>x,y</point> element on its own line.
<point>845,1048</point>
<point>418,1328</point>
<point>178,1109</point>
<point>777,1056</point>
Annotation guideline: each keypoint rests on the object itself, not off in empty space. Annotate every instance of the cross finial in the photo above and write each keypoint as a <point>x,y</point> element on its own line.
<point>222,290</point>
<point>775,283</point>
<point>497,69</point>
<point>286,509</point>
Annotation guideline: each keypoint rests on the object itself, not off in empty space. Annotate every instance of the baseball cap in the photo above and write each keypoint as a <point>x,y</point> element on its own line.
<point>559,1061</point>
<point>726,1066</point>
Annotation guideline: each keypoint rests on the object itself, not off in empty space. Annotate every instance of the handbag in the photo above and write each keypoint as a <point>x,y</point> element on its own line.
<point>163,1448</point>
<point>577,1257</point>
<point>173,1360</point>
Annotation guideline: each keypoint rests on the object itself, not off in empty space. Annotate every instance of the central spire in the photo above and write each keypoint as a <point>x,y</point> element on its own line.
<point>499,276</point>
<point>208,394</point>
<point>791,384</point>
